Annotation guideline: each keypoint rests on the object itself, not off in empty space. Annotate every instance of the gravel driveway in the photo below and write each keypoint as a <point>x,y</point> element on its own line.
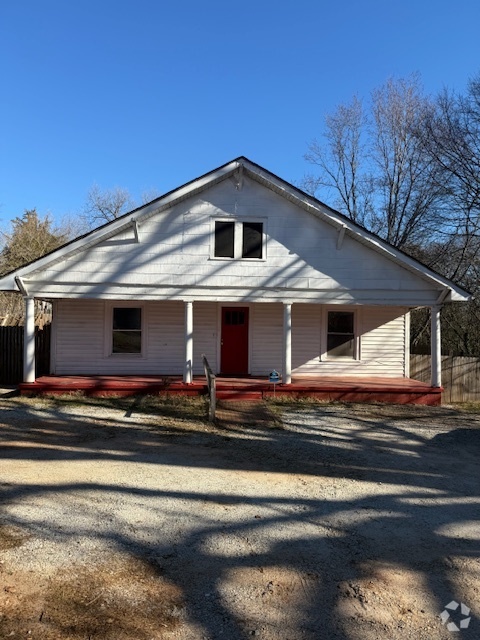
<point>312,522</point>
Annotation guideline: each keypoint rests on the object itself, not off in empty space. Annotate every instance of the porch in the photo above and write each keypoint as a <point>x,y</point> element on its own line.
<point>339,388</point>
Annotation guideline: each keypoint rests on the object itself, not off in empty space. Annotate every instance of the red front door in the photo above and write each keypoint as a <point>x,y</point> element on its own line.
<point>234,346</point>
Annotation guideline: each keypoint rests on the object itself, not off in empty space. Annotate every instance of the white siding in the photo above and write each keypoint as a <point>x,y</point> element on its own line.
<point>79,335</point>
<point>383,341</point>
<point>83,335</point>
<point>83,339</point>
<point>266,335</point>
<point>173,258</point>
<point>83,331</point>
<point>165,351</point>
<point>306,332</point>
<point>381,332</point>
<point>205,339</point>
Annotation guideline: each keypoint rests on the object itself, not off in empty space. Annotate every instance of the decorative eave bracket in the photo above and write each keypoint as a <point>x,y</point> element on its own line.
<point>21,286</point>
<point>341,236</point>
<point>443,296</point>
<point>135,230</point>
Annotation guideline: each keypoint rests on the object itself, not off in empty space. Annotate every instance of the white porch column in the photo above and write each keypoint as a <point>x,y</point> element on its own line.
<point>287,343</point>
<point>436,347</point>
<point>29,341</point>
<point>188,371</point>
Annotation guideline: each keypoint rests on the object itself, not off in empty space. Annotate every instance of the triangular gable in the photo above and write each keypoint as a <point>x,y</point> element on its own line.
<point>236,172</point>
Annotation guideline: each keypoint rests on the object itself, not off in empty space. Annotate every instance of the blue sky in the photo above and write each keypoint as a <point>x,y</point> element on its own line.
<point>147,94</point>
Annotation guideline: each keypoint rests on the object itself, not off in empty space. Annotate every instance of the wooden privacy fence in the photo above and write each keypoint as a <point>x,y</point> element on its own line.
<point>11,353</point>
<point>460,376</point>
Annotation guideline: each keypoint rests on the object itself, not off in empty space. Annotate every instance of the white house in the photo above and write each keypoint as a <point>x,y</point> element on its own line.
<point>242,266</point>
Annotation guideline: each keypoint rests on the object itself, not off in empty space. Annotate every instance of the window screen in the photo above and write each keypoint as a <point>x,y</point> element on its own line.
<point>252,240</point>
<point>127,330</point>
<point>224,239</point>
<point>341,336</point>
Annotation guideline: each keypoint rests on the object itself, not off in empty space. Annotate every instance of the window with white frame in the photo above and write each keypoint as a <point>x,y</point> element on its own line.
<point>242,240</point>
<point>341,334</point>
<point>126,330</point>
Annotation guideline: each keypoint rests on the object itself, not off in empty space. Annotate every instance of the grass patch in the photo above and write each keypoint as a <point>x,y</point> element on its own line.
<point>11,537</point>
<point>467,407</point>
<point>177,407</point>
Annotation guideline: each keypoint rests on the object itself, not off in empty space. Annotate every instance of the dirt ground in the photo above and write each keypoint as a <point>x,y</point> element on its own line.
<point>139,520</point>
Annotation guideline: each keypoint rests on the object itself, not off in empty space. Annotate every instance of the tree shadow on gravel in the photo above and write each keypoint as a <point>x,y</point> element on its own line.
<point>348,522</point>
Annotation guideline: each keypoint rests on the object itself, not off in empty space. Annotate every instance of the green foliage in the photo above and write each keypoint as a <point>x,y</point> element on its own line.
<point>31,238</point>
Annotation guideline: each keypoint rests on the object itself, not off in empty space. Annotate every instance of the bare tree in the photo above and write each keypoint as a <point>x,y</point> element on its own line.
<point>451,136</point>
<point>408,191</point>
<point>104,205</point>
<point>342,162</point>
<point>409,170</point>
<point>378,168</point>
<point>149,194</point>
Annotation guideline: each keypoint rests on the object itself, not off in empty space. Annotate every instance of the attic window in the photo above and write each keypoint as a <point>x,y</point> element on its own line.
<point>224,239</point>
<point>252,240</point>
<point>241,240</point>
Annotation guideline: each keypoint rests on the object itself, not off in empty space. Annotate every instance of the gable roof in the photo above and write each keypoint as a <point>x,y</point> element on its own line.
<point>236,170</point>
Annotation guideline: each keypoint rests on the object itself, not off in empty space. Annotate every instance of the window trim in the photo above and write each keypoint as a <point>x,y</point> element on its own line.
<point>108,338</point>
<point>324,355</point>
<point>238,238</point>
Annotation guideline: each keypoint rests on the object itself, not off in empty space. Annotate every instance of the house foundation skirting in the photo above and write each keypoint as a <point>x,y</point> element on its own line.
<point>387,390</point>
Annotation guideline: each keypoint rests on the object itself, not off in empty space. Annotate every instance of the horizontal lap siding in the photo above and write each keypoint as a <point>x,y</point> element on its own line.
<point>266,333</point>
<point>79,336</point>
<point>382,342</point>
<point>306,328</point>
<point>204,335</point>
<point>80,340</point>
<point>174,251</point>
<point>165,351</point>
<point>81,328</point>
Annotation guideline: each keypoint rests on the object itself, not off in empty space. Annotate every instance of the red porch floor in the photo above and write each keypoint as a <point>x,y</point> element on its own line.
<point>343,389</point>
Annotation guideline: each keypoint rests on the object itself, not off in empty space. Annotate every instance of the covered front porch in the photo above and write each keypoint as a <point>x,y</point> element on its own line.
<point>247,340</point>
<point>327,389</point>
